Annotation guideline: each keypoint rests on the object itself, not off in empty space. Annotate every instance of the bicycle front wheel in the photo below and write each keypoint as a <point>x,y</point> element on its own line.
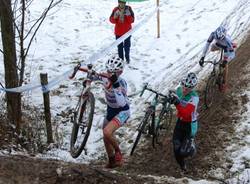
<point>163,127</point>
<point>82,122</point>
<point>142,127</point>
<point>210,91</point>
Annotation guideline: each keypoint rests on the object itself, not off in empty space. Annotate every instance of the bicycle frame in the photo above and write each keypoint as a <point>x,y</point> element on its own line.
<point>215,79</point>
<point>216,64</point>
<point>153,120</point>
<point>156,119</point>
<point>83,113</point>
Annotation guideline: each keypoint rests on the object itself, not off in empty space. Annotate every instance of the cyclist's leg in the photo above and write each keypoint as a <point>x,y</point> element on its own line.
<point>108,132</point>
<point>177,142</point>
<point>214,47</point>
<point>109,148</point>
<point>228,56</point>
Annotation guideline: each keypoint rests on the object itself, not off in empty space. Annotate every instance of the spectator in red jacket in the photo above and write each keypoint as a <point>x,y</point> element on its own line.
<point>122,16</point>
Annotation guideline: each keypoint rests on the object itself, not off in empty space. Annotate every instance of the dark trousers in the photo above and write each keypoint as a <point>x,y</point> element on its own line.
<point>182,131</point>
<point>126,46</point>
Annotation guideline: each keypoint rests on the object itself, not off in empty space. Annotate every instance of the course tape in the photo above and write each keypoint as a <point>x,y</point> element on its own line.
<point>94,57</point>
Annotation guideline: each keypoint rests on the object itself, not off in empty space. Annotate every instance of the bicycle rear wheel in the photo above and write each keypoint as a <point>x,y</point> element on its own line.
<point>163,127</point>
<point>142,127</point>
<point>210,91</point>
<point>82,122</point>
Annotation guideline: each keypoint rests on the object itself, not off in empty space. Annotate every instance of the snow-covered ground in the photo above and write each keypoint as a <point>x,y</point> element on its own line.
<point>76,29</point>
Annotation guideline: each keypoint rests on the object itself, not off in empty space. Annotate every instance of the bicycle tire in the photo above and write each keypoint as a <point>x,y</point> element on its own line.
<point>141,128</point>
<point>163,127</point>
<point>78,116</point>
<point>210,90</point>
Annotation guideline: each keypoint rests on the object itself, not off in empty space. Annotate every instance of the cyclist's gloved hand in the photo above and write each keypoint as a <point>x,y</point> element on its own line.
<point>223,64</point>
<point>201,62</point>
<point>174,99</point>
<point>114,80</point>
<point>77,67</point>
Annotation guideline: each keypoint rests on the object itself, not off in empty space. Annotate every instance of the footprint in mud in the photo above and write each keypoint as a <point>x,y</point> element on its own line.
<point>187,44</point>
<point>131,87</point>
<point>185,29</point>
<point>191,10</point>
<point>196,18</point>
<point>185,22</point>
<point>178,51</point>
<point>178,36</point>
<point>152,61</point>
<point>144,54</point>
<point>162,57</point>
<point>83,47</point>
<point>76,30</point>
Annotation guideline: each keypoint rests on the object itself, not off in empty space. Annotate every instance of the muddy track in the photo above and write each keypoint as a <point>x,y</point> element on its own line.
<point>216,126</point>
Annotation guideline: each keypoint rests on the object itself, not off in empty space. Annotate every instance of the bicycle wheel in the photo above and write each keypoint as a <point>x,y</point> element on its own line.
<point>82,122</point>
<point>141,129</point>
<point>163,127</point>
<point>210,91</point>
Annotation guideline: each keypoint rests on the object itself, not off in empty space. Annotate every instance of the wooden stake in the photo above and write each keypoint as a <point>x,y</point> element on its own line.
<point>158,19</point>
<point>44,82</point>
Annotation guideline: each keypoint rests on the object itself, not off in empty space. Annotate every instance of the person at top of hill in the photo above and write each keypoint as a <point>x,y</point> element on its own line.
<point>123,17</point>
<point>186,101</point>
<point>222,41</point>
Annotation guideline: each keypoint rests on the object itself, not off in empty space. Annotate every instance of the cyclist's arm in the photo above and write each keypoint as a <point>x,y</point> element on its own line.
<point>121,93</point>
<point>230,44</point>
<point>120,98</point>
<point>209,41</point>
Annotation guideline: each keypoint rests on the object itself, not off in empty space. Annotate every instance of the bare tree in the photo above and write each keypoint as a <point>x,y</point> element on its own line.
<point>13,15</point>
<point>10,66</point>
<point>30,33</point>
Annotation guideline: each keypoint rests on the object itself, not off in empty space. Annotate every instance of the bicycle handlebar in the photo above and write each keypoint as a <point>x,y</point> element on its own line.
<point>212,62</point>
<point>145,87</point>
<point>88,70</point>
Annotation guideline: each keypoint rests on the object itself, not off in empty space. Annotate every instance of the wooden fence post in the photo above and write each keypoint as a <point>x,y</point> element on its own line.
<point>158,19</point>
<point>44,82</point>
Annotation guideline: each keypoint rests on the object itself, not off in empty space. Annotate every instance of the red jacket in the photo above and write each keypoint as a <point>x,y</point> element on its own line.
<point>122,27</point>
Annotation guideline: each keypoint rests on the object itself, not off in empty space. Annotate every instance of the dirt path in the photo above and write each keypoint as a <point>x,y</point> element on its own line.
<point>216,127</point>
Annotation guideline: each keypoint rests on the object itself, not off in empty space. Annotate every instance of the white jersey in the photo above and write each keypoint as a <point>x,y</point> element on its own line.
<point>116,97</point>
<point>226,44</point>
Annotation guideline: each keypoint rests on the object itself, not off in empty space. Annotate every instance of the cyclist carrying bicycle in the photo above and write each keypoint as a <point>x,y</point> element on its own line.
<point>224,42</point>
<point>186,101</point>
<point>118,110</point>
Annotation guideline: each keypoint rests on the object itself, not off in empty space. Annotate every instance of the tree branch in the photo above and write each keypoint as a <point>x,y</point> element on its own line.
<point>22,56</point>
<point>43,16</point>
<point>51,5</point>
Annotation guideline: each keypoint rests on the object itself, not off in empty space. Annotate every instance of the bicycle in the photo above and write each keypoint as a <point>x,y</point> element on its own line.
<point>152,122</point>
<point>214,82</point>
<point>83,112</point>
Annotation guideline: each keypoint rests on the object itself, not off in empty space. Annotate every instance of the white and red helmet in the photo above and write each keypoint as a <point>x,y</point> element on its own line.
<point>115,64</point>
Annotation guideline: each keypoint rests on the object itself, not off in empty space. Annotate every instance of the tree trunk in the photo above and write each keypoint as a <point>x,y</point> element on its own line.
<point>10,63</point>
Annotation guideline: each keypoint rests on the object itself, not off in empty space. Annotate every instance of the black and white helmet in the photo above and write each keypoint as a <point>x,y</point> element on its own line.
<point>114,64</point>
<point>220,32</point>
<point>190,81</point>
